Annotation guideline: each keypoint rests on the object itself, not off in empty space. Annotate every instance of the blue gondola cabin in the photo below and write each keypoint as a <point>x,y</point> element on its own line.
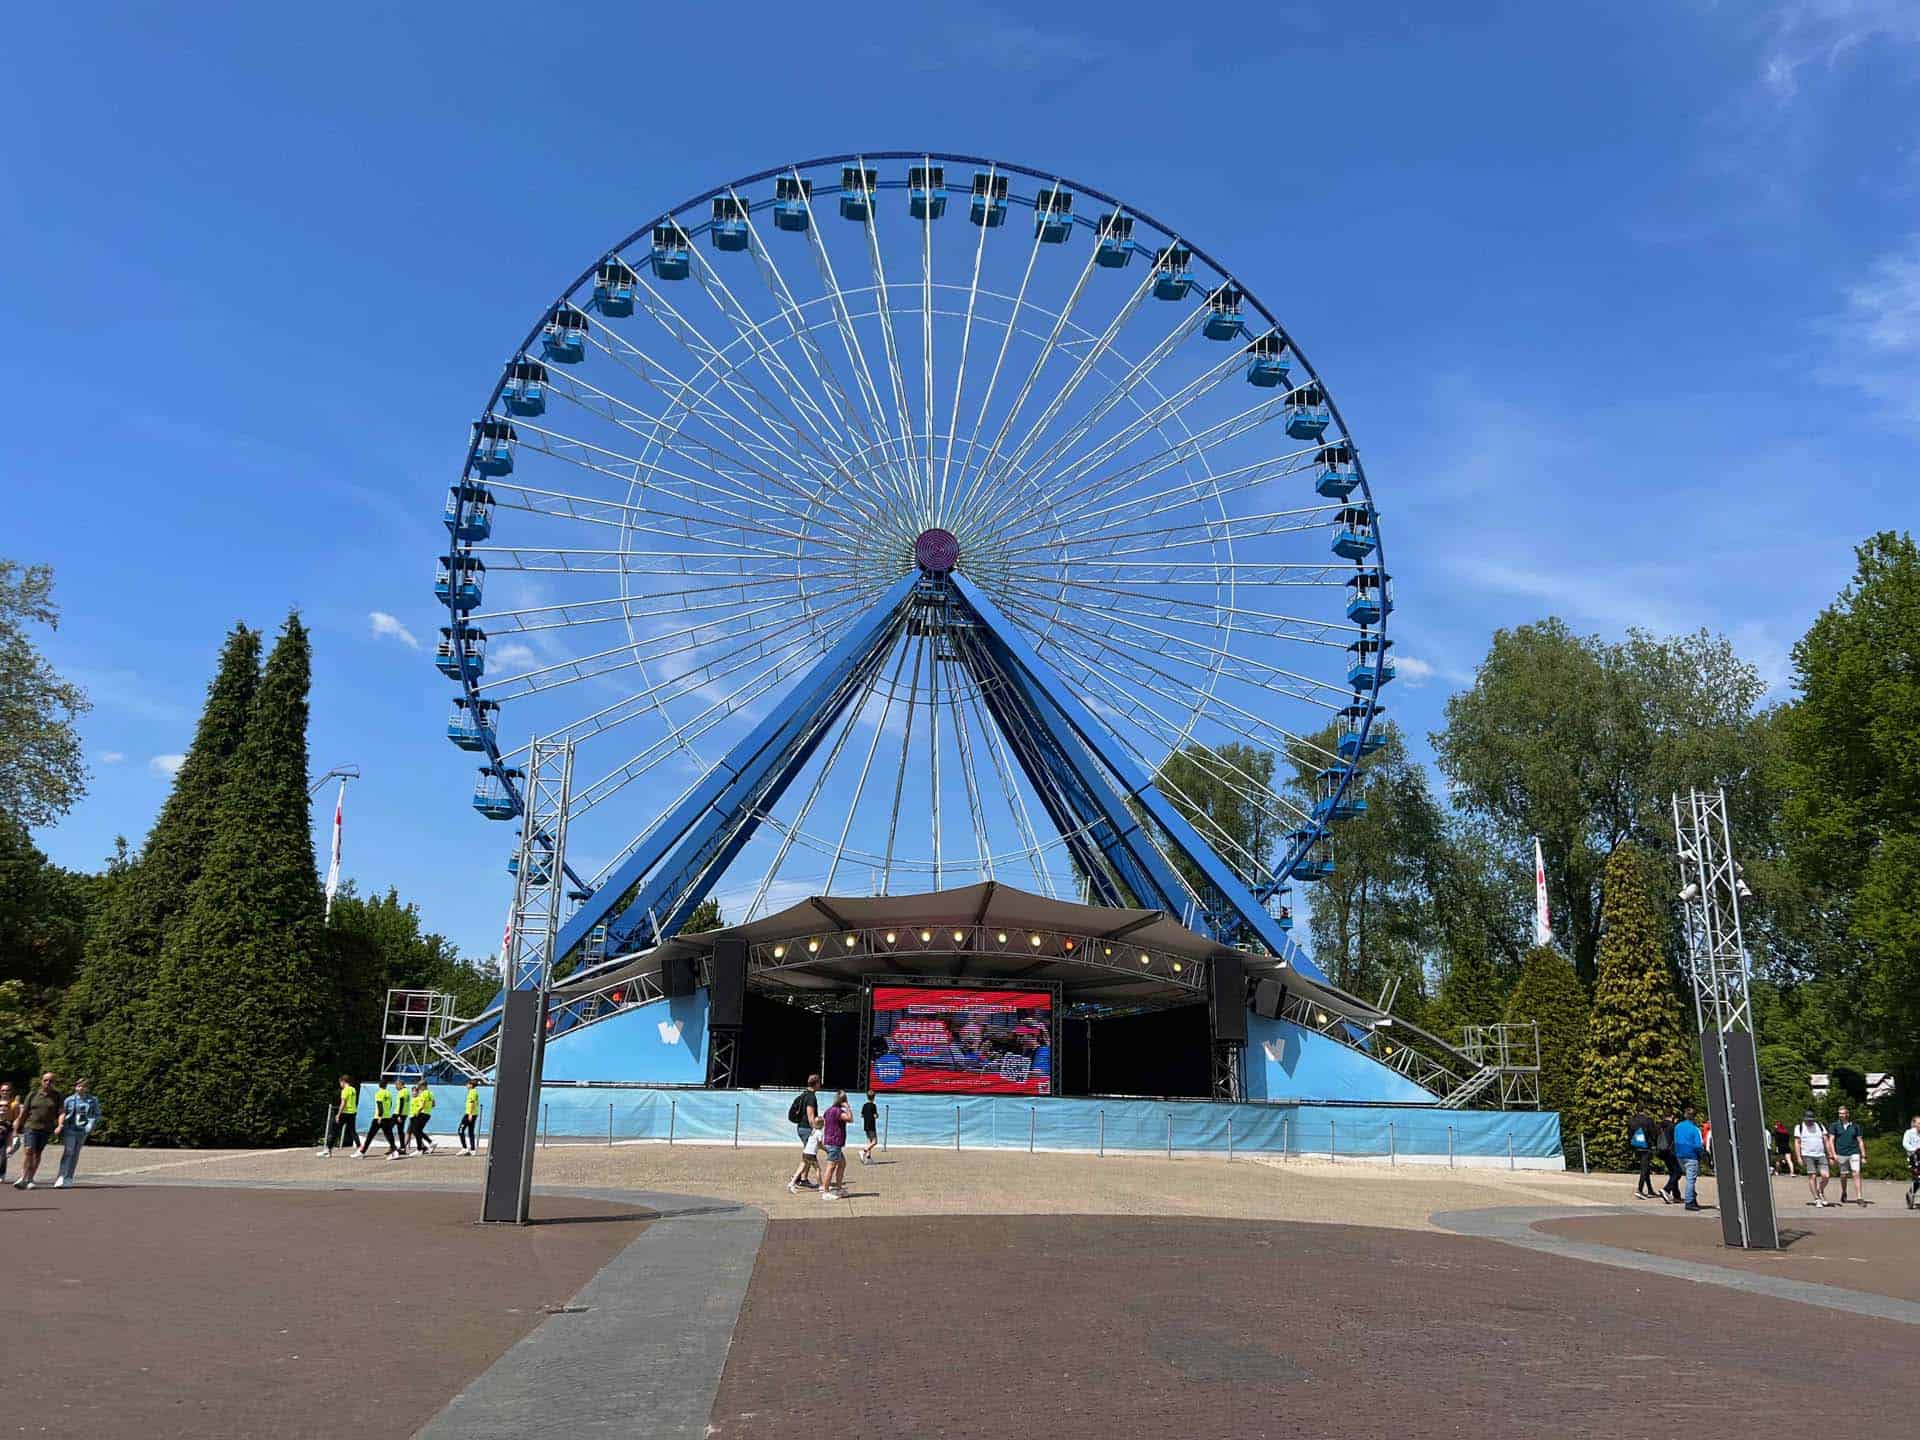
<point>1316,861</point>
<point>614,286</point>
<point>563,339</point>
<point>1116,241</point>
<point>1337,475</point>
<point>461,653</point>
<point>1331,804</point>
<point>1356,738</point>
<point>469,513</point>
<point>927,191</point>
<point>1267,364</point>
<point>493,442</point>
<point>672,252</point>
<point>492,796</point>
<point>856,193</point>
<point>1172,273</point>
<point>458,582</point>
<point>730,231</point>
<point>989,204</point>
<point>472,724</point>
<point>1053,216</point>
<point>525,391</point>
<point>1369,597</point>
<point>792,203</point>
<point>1369,665</point>
<point>1223,314</point>
<point>1307,412</point>
<point>1353,532</point>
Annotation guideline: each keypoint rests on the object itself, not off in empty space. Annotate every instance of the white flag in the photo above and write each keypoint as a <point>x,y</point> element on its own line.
<point>1542,917</point>
<point>333,867</point>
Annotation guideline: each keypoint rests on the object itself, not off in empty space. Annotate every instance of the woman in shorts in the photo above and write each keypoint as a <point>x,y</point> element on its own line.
<point>9,1122</point>
<point>833,1148</point>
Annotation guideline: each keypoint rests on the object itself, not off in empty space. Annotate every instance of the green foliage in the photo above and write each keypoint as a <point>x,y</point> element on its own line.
<point>1636,1054</point>
<point>41,770</point>
<point>1581,741</point>
<point>103,1026</point>
<point>377,944</point>
<point>1469,995</point>
<point>1784,1091</point>
<point>1224,792</point>
<point>242,987</point>
<point>23,1038</point>
<point>43,913</point>
<point>705,916</point>
<point>1550,994</point>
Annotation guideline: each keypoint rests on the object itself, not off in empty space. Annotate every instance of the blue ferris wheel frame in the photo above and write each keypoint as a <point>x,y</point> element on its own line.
<point>1301,841</point>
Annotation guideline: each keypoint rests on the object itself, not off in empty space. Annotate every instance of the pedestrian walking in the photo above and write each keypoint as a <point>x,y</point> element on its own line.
<point>1910,1142</point>
<point>344,1120</point>
<point>470,1120</point>
<point>79,1118</point>
<point>1783,1148</point>
<point>833,1140</point>
<point>1688,1146</point>
<point>384,1100</point>
<point>1640,1137</point>
<point>1811,1146</point>
<point>1669,1192</point>
<point>870,1119</point>
<point>39,1118</point>
<point>1849,1156</point>
<point>804,1116</point>
<point>422,1114</point>
<point>9,1125</point>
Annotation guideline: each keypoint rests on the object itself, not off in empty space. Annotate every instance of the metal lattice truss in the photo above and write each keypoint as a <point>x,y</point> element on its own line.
<point>421,1033</point>
<point>1512,1050</point>
<point>1710,894</point>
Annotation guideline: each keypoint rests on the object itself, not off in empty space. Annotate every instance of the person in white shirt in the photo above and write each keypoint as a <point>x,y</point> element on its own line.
<point>1812,1144</point>
<point>1910,1142</point>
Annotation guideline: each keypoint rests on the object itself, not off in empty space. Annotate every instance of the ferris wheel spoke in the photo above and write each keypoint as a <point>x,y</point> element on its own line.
<point>890,344</point>
<point>1009,788</point>
<point>626,518</point>
<point>1181,610</point>
<point>960,367</point>
<point>1218,529</point>
<point>579,614</point>
<point>860,784</point>
<point>969,469</point>
<point>900,777</point>
<point>602,561</point>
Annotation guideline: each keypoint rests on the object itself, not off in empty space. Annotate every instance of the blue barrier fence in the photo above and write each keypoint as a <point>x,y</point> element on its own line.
<point>613,1114</point>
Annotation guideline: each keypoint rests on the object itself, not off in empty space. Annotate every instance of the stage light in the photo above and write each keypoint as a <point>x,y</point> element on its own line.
<point>1108,951</point>
<point>891,937</point>
<point>1178,967</point>
<point>1319,1017</point>
<point>1034,941</point>
<point>1001,937</point>
<point>1067,945</point>
<point>958,936</point>
<point>1144,960</point>
<point>779,951</point>
<point>851,942</point>
<point>925,936</point>
<point>813,947</point>
<point>1389,1049</point>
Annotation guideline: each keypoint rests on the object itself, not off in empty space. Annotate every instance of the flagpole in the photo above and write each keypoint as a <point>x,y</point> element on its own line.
<point>333,867</point>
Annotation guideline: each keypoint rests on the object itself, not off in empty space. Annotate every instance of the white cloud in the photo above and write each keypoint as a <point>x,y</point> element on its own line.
<point>166,766</point>
<point>388,627</point>
<point>1874,340</point>
<point>511,654</point>
<point>1413,673</point>
<point>111,757</point>
<point>1823,32</point>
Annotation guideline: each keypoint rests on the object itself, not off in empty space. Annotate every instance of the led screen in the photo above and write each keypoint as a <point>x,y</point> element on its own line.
<point>962,1042</point>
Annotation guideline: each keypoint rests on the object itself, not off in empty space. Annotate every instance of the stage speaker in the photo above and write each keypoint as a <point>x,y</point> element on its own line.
<point>1229,999</point>
<point>727,1001</point>
<point>1268,997</point>
<point>677,975</point>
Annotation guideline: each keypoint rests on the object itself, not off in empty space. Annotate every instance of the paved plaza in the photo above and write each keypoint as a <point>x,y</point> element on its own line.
<point>675,1291</point>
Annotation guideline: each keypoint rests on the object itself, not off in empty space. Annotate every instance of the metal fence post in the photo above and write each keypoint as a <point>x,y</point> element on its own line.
<point>1510,1160</point>
<point>326,1125</point>
<point>1286,1136</point>
<point>1103,1130</point>
<point>546,1125</point>
<point>1169,1134</point>
<point>736,1124</point>
<point>673,1112</point>
<point>609,1122</point>
<point>1330,1145</point>
<point>1032,1111</point>
<point>1392,1153</point>
<point>1449,1147</point>
<point>1229,1139</point>
<point>956,1127</point>
<point>886,1125</point>
<point>1583,1153</point>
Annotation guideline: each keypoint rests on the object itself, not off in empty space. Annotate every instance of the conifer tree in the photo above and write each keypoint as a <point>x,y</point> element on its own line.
<point>1637,1055</point>
<point>1469,994</point>
<point>99,1031</point>
<point>242,994</point>
<point>1550,994</point>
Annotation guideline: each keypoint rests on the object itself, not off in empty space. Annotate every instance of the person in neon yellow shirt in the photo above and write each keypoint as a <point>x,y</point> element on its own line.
<point>421,1109</point>
<point>470,1120</point>
<point>384,1100</point>
<point>343,1122</point>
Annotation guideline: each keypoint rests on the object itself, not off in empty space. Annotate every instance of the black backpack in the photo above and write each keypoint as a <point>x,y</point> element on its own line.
<point>797,1112</point>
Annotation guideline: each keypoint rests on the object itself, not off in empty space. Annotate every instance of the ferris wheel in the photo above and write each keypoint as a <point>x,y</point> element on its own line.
<point>988,487</point>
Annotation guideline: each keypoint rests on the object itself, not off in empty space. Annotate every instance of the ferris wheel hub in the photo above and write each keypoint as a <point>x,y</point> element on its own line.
<point>936,551</point>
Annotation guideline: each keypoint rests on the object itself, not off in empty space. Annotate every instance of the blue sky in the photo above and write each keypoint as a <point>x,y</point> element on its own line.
<point>1624,312</point>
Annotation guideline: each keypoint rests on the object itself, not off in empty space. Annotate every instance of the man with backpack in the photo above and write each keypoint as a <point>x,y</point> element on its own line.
<point>1640,1136</point>
<point>804,1116</point>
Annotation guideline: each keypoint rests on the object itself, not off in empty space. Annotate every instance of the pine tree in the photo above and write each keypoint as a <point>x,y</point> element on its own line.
<point>1637,1056</point>
<point>242,985</point>
<point>1469,994</point>
<point>1550,994</point>
<point>100,1031</point>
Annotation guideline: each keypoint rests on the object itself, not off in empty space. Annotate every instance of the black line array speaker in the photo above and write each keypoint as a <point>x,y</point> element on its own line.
<point>677,975</point>
<point>727,1001</point>
<point>1229,999</point>
<point>1268,997</point>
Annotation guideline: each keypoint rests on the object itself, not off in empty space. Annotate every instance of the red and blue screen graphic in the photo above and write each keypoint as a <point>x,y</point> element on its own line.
<point>962,1041</point>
